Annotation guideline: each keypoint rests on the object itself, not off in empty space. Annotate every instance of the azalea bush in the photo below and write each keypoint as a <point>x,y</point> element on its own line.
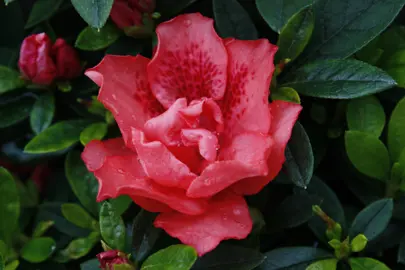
<point>202,134</point>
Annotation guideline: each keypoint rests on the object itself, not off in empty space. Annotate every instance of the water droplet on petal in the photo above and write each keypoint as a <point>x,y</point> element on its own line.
<point>236,212</point>
<point>187,23</point>
<point>121,171</point>
<point>207,182</point>
<point>114,96</point>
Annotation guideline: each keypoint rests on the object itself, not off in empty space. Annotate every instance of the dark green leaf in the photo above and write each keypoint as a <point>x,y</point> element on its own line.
<point>299,157</point>
<point>232,20</point>
<point>112,227</point>
<point>41,11</point>
<point>367,264</point>
<point>144,234</point>
<point>93,264</point>
<point>329,264</point>
<point>91,39</point>
<point>2,262</point>
<point>82,182</point>
<point>94,12</point>
<point>292,258</point>
<point>277,12</point>
<point>368,154</point>
<point>42,113</point>
<point>38,249</point>
<point>78,216</point>
<point>9,80</point>
<point>401,252</point>
<point>57,137</point>
<point>78,248</point>
<point>179,257</point>
<point>396,131</point>
<point>295,35</point>
<point>340,31</point>
<point>13,34</point>
<point>42,227</point>
<point>339,79</point>
<point>373,219</point>
<point>366,114</point>
<point>229,257</point>
<point>15,111</point>
<point>170,8</point>
<point>95,131</point>
<point>121,204</point>
<point>8,57</point>
<point>9,205</point>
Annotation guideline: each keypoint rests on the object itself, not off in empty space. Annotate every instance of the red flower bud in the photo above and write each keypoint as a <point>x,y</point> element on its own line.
<point>108,258</point>
<point>67,60</point>
<point>35,61</point>
<point>126,13</point>
<point>146,6</point>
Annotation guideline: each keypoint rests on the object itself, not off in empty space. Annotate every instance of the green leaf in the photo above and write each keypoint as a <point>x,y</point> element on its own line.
<point>292,258</point>
<point>57,137</point>
<point>277,12</point>
<point>93,264</point>
<point>9,80</point>
<point>227,256</point>
<point>367,264</point>
<point>359,243</point>
<point>295,35</point>
<point>78,248</point>
<point>38,249</point>
<point>299,157</point>
<point>394,65</point>
<point>42,113</point>
<point>2,262</point>
<point>9,205</point>
<point>112,227</point>
<point>42,227</point>
<point>329,264</point>
<point>94,12</point>
<point>366,114</point>
<point>15,111</point>
<point>29,194</point>
<point>368,154</point>
<point>396,131</point>
<point>401,252</point>
<point>95,131</point>
<point>339,79</point>
<point>13,265</point>
<point>341,31</point>
<point>78,216</point>
<point>285,93</point>
<point>179,257</point>
<point>121,204</point>
<point>373,219</point>
<point>82,182</point>
<point>91,39</point>
<point>232,20</point>
<point>41,11</point>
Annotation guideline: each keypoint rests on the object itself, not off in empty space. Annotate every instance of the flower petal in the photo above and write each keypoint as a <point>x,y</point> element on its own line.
<point>226,218</point>
<point>125,91</point>
<point>284,115</point>
<point>190,60</point>
<point>207,142</point>
<point>250,68</point>
<point>150,205</point>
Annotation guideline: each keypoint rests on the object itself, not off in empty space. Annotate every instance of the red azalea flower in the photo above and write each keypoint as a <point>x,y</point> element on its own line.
<point>67,60</point>
<point>198,131</point>
<point>109,258</point>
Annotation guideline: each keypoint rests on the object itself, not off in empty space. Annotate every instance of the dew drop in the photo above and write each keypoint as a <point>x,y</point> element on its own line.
<point>236,212</point>
<point>207,182</point>
<point>121,171</point>
<point>187,23</point>
<point>114,96</point>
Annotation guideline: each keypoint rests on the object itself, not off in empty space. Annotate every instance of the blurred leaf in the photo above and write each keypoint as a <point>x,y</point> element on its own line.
<point>112,227</point>
<point>12,35</point>
<point>295,35</point>
<point>78,216</point>
<point>366,264</point>
<point>373,219</point>
<point>78,248</point>
<point>277,12</point>
<point>42,113</point>
<point>339,79</point>
<point>368,154</point>
<point>2,262</point>
<point>95,131</point>
<point>92,264</point>
<point>299,162</point>
<point>28,194</point>
<point>396,131</point>
<point>9,205</point>
<point>42,10</point>
<point>126,46</point>
<point>329,264</point>
<point>38,249</point>
<point>292,258</point>
<point>285,93</point>
<point>91,39</point>
<point>42,227</point>
<point>82,182</point>
<point>121,204</point>
<point>15,111</point>
<point>394,65</point>
<point>366,114</point>
<point>179,257</point>
<point>401,252</point>
<point>12,265</point>
<point>172,8</point>
<point>8,57</point>
<point>94,12</point>
<point>9,80</point>
<point>144,235</point>
<point>57,137</point>
<point>232,20</point>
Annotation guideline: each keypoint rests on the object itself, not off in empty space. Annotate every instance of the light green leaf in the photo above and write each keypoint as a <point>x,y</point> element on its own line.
<point>112,227</point>
<point>95,131</point>
<point>78,216</point>
<point>287,94</point>
<point>94,12</point>
<point>396,131</point>
<point>42,113</point>
<point>42,227</point>
<point>367,264</point>
<point>15,111</point>
<point>179,257</point>
<point>329,264</point>
<point>359,243</point>
<point>41,11</point>
<point>38,249</point>
<point>9,205</point>
<point>13,265</point>
<point>9,80</point>
<point>91,39</point>
<point>78,248</point>
<point>395,66</point>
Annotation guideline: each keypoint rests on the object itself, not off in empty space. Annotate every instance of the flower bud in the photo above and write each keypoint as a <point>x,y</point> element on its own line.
<point>67,60</point>
<point>110,258</point>
<point>35,61</point>
<point>124,14</point>
<point>145,6</point>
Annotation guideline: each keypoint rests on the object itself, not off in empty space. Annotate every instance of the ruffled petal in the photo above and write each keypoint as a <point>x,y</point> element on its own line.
<point>226,218</point>
<point>150,204</point>
<point>190,61</point>
<point>125,91</point>
<point>250,68</point>
<point>284,115</point>
<point>206,141</point>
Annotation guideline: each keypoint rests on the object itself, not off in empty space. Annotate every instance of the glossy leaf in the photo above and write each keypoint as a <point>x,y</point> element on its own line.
<point>57,137</point>
<point>94,12</point>
<point>42,227</point>
<point>232,20</point>
<point>121,204</point>
<point>78,216</point>
<point>92,264</point>
<point>367,264</point>
<point>373,219</point>
<point>42,113</point>
<point>9,80</point>
<point>366,114</point>
<point>15,111</point>
<point>9,205</point>
<point>12,265</point>
<point>368,154</point>
<point>95,131</point>
<point>91,39</point>
<point>112,227</point>
<point>339,79</point>
<point>396,131</point>
<point>41,11</point>
<point>329,264</point>
<point>78,248</point>
<point>144,234</point>
<point>285,93</point>
<point>38,249</point>
<point>179,257</point>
